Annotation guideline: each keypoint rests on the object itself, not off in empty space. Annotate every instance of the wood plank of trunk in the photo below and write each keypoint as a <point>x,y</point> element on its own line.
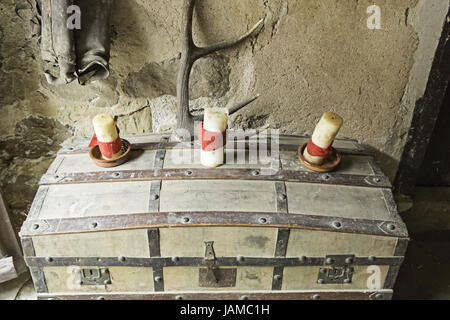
<point>9,246</point>
<point>7,269</point>
<point>3,252</point>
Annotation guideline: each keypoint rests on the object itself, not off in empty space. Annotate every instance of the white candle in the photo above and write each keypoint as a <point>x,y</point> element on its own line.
<point>106,132</point>
<point>215,121</point>
<point>324,135</point>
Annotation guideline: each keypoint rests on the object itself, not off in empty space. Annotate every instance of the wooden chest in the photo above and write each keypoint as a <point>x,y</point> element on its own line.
<point>160,228</point>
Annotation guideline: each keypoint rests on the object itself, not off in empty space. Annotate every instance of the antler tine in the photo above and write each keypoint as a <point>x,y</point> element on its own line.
<point>184,117</point>
<point>241,105</point>
<point>188,12</point>
<point>190,53</point>
<point>232,109</point>
<point>201,52</point>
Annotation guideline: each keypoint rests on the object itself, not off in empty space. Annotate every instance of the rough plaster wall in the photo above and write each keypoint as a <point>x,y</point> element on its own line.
<point>311,56</point>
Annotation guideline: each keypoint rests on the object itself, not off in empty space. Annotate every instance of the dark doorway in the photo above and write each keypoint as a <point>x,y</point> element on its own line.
<point>435,170</point>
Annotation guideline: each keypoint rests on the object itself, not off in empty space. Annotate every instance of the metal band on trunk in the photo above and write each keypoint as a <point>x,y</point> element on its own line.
<point>214,218</point>
<point>374,181</point>
<point>242,295</point>
<point>160,262</point>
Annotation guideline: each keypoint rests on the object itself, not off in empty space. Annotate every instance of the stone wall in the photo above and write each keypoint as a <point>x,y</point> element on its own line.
<point>311,56</point>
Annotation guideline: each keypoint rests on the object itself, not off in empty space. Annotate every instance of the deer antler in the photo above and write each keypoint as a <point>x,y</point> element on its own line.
<point>189,54</point>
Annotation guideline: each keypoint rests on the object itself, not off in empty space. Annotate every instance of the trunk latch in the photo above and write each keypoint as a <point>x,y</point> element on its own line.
<point>212,276</point>
<point>92,277</point>
<point>210,260</point>
<point>339,272</point>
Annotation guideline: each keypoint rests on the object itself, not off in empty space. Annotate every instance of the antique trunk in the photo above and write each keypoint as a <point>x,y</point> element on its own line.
<point>160,228</point>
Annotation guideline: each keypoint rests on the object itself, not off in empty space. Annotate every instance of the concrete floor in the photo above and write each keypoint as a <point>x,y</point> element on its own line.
<point>18,289</point>
<point>424,274</point>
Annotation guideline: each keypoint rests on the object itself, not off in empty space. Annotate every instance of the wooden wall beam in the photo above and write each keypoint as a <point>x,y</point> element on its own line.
<point>11,258</point>
<point>7,269</point>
